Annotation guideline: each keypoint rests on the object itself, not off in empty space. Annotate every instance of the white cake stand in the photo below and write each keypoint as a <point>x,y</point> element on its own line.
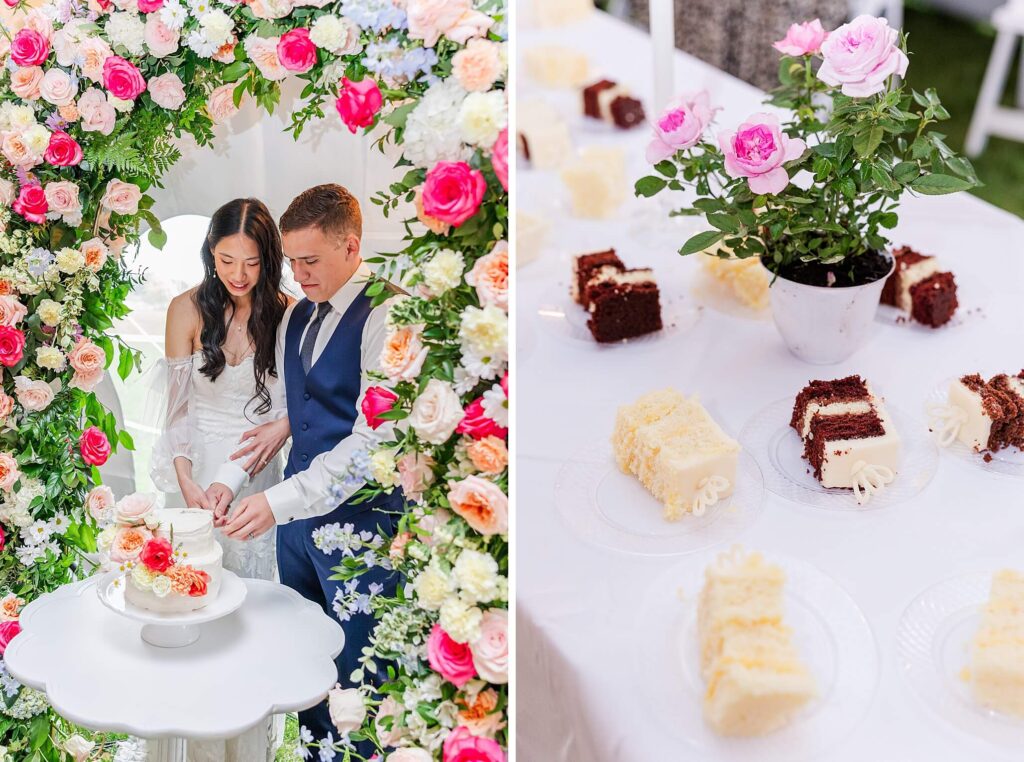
<point>274,654</point>
<point>173,630</point>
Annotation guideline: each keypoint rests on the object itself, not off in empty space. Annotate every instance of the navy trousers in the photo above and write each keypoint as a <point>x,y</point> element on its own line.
<point>306,569</point>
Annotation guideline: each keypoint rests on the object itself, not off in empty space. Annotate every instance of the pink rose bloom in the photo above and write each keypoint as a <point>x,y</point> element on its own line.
<point>31,203</point>
<point>389,708</point>
<point>37,20</point>
<point>86,380</point>
<point>432,224</point>
<point>8,631</point>
<point>481,503</point>
<point>680,126</point>
<point>133,508</point>
<point>296,50</point>
<point>167,91</point>
<point>149,6</point>
<point>489,277</point>
<point>455,19</point>
<point>453,191</point>
<point>94,52</point>
<point>490,650</point>
<point>25,82</point>
<point>802,39</point>
<point>358,103</point>
<point>34,396</point>
<point>57,88</point>
<point>63,150</point>
<point>161,40</point>
<point>757,150</point>
<point>408,753</point>
<point>88,361</point>
<point>6,404</point>
<point>97,114</point>
<point>861,56</point>
<point>99,501</point>
<point>462,746</point>
<point>7,194</point>
<point>270,9</point>
<point>499,158</point>
<point>62,198</point>
<point>12,311</point>
<point>221,104</point>
<point>121,197</point>
<point>415,474</point>
<point>262,51</point>
<point>29,48</point>
<point>122,78</point>
<point>128,543</point>
<point>94,446</point>
<point>377,400</point>
<point>9,472</point>
<point>477,424</point>
<point>453,661</point>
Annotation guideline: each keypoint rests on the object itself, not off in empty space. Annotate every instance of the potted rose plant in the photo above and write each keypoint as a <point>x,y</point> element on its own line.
<point>814,194</point>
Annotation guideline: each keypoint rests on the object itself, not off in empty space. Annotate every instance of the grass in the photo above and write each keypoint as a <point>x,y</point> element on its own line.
<point>950,55</point>
<point>287,751</point>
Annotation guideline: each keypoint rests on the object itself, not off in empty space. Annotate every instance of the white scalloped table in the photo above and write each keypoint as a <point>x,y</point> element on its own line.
<point>274,655</point>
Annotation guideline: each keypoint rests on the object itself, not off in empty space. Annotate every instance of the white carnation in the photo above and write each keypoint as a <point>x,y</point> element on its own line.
<point>476,574</point>
<point>37,138</point>
<point>482,116</point>
<point>433,587</point>
<point>460,620</point>
<point>70,261</point>
<point>128,31</point>
<point>50,357</point>
<point>336,35</point>
<point>429,137</point>
<point>17,117</point>
<point>484,332</point>
<point>217,26</point>
<point>383,468</point>
<point>443,271</point>
<point>49,312</point>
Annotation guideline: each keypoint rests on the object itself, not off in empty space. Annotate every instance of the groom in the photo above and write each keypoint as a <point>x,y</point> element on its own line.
<point>326,344</point>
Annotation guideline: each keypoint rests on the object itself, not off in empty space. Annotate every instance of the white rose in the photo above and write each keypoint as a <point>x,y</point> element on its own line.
<point>143,577</point>
<point>69,260</point>
<point>105,539</point>
<point>436,412</point>
<point>127,30</point>
<point>477,576</point>
<point>57,88</point>
<point>482,117</point>
<point>337,35</point>
<point>443,271</point>
<point>409,754</point>
<point>161,586</point>
<point>433,587</point>
<point>50,357</point>
<point>78,747</point>
<point>346,708</point>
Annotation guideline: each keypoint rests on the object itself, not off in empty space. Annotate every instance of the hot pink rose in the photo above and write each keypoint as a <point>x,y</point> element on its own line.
<point>757,150</point>
<point>499,158</point>
<point>377,400</point>
<point>63,150</point>
<point>453,661</point>
<point>149,6</point>
<point>462,746</point>
<point>31,203</point>
<point>122,79</point>
<point>8,631</point>
<point>29,48</point>
<point>96,112</point>
<point>802,39</point>
<point>3,544</point>
<point>12,346</point>
<point>12,311</point>
<point>452,191</point>
<point>296,51</point>
<point>358,102</point>
<point>481,503</point>
<point>861,56</point>
<point>477,424</point>
<point>681,126</point>
<point>167,91</point>
<point>94,446</point>
<point>490,650</point>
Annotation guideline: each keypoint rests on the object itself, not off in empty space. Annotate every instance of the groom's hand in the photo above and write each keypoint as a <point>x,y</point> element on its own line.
<point>251,518</point>
<point>219,497</point>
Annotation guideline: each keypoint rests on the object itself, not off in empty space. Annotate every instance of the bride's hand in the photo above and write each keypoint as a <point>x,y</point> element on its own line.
<point>195,496</point>
<point>264,442</point>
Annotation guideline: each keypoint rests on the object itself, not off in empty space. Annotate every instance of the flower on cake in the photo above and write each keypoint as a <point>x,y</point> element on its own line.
<point>127,543</point>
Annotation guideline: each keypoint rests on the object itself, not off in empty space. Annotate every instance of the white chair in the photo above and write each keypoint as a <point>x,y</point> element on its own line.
<point>891,9</point>
<point>989,117</point>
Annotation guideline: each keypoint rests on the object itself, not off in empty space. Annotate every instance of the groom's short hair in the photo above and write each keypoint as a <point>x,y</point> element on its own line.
<point>330,208</point>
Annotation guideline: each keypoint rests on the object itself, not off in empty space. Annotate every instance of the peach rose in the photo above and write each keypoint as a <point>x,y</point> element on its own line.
<point>9,472</point>
<point>6,404</point>
<point>116,245</point>
<point>94,52</point>
<point>226,52</point>
<point>160,39</point>
<point>490,277</point>
<point>478,65</point>
<point>7,192</point>
<point>99,502</point>
<point>37,20</point>
<point>262,51</point>
<point>69,113</point>
<point>95,253</point>
<point>18,152</point>
<point>97,114</point>
<point>478,713</point>
<point>481,503</point>
<point>403,354</point>
<point>221,104</point>
<point>121,197</point>
<point>33,395</point>
<point>415,474</point>
<point>88,360</point>
<point>62,199</point>
<point>433,224</point>
<point>270,9</point>
<point>10,607</point>
<point>490,649</point>
<point>128,543</point>
<point>25,82</point>
<point>488,455</point>
<point>12,311</point>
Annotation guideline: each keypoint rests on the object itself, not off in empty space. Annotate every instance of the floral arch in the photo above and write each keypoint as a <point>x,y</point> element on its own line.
<point>94,95</point>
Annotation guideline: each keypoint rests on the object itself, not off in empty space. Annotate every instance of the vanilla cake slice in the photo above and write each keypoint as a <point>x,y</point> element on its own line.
<point>997,652</point>
<point>677,451</point>
<point>756,680</point>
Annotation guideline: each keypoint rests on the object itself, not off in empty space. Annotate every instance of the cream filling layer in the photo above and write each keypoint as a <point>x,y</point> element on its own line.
<point>835,408</point>
<point>910,277</point>
<point>606,97</point>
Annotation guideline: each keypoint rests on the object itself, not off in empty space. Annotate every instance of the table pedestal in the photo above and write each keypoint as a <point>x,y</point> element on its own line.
<point>166,750</point>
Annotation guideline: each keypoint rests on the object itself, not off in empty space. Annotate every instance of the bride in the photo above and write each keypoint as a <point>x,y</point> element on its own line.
<point>222,385</point>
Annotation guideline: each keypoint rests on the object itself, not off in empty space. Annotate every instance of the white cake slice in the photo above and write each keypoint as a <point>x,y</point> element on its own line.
<point>596,180</point>
<point>997,652</point>
<point>544,138</point>
<point>557,66</point>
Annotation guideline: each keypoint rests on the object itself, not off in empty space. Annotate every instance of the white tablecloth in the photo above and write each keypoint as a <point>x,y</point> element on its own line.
<point>580,694</point>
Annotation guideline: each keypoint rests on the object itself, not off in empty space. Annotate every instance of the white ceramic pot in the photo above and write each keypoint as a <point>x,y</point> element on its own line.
<point>824,325</point>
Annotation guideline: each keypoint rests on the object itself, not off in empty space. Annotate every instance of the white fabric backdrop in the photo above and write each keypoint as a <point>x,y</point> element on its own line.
<point>579,693</point>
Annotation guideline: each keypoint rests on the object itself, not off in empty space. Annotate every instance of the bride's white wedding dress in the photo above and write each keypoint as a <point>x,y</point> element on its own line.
<point>204,422</point>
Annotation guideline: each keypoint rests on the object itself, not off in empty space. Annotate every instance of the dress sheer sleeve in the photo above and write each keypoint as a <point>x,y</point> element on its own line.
<point>177,431</point>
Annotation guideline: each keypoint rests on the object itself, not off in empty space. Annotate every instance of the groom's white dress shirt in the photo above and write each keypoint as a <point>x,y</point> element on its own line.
<point>307,493</point>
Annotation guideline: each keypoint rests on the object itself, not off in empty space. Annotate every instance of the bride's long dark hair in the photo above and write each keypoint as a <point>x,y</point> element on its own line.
<point>250,217</point>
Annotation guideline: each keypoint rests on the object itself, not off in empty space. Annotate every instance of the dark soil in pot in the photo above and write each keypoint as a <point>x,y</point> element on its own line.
<point>858,271</point>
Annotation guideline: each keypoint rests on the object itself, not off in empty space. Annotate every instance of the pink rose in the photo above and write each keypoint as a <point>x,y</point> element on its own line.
<point>861,56</point>
<point>262,51</point>
<point>31,203</point>
<point>57,88</point>
<point>481,503</point>
<point>34,396</point>
<point>29,48</point>
<point>477,424</point>
<point>8,631</point>
<point>167,91</point>
<point>757,150</point>
<point>358,103</point>
<point>390,708</point>
<point>63,150</point>
<point>12,311</point>
<point>452,191</point>
<point>6,405</point>
<point>463,746</point>
<point>122,78</point>
<point>415,474</point>
<point>150,6</point>
<point>7,194</point>
<point>161,40</point>
<point>97,114</point>
<point>403,354</point>
<point>478,65</point>
<point>802,39</point>
<point>88,361</point>
<point>133,508</point>
<point>121,197</point>
<point>408,753</point>
<point>470,24</point>
<point>62,199</point>
<point>270,9</point>
<point>296,51</point>
<point>455,19</point>
<point>432,224</point>
<point>9,472</point>
<point>453,661</point>
<point>99,502</point>
<point>490,650</point>
<point>86,380</point>
<point>25,82</point>
<point>489,277</point>
<point>221,105</point>
<point>681,126</point>
<point>377,400</point>
<point>499,158</point>
<point>94,446</point>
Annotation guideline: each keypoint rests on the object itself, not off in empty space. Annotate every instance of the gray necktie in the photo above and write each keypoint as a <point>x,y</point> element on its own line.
<point>323,309</point>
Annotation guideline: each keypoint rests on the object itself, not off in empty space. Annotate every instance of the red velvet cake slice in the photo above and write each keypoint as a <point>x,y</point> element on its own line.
<point>921,288</point>
<point>623,304</point>
<point>585,266</point>
<point>612,103</point>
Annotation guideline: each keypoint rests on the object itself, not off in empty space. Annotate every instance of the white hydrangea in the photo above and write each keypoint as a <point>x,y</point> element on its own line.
<point>482,116</point>
<point>128,31</point>
<point>443,271</point>
<point>460,620</point>
<point>476,574</point>
<point>143,577</point>
<point>429,137</point>
<point>336,35</point>
<point>51,357</point>
<point>433,587</point>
